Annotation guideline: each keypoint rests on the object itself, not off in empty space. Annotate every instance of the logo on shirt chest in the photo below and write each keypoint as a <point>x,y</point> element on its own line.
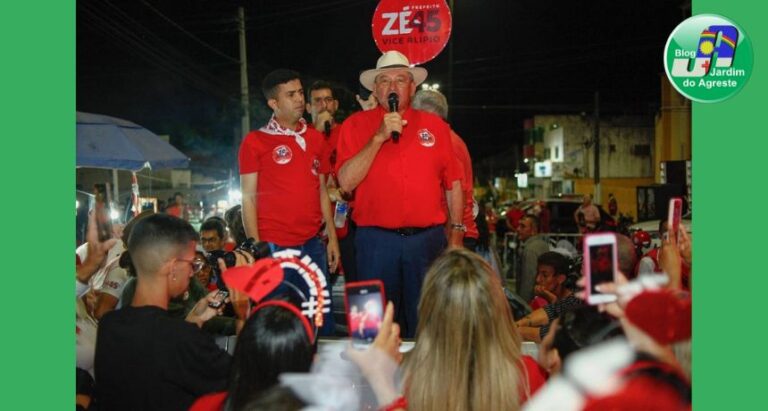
<point>315,166</point>
<point>282,154</point>
<point>426,138</point>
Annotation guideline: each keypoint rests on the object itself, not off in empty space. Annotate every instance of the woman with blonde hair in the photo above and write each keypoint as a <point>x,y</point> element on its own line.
<point>467,354</point>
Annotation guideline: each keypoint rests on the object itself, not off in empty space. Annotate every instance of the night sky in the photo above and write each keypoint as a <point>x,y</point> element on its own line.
<point>172,66</point>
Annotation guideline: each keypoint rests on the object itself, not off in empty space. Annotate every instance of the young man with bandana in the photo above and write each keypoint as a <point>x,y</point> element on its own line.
<point>282,178</point>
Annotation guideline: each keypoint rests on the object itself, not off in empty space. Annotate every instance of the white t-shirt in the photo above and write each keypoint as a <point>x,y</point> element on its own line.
<point>113,258</point>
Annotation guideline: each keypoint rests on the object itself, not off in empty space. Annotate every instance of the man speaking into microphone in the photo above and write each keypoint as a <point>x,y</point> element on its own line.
<point>401,165</point>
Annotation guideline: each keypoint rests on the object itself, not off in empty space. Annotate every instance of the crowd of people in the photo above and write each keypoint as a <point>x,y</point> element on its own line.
<point>148,300</point>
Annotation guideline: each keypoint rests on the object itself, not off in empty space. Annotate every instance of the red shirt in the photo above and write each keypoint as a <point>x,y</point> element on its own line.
<point>288,187</point>
<point>514,215</point>
<point>537,377</point>
<point>467,184</point>
<point>404,185</point>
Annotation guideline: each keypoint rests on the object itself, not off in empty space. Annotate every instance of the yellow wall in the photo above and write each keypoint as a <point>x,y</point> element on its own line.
<point>673,127</point>
<point>624,189</point>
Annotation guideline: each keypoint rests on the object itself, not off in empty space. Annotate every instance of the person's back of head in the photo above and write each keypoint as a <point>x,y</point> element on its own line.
<point>468,350</point>
<point>432,101</point>
<point>157,238</point>
<point>125,257</point>
<point>626,255</point>
<point>234,220</point>
<point>274,340</point>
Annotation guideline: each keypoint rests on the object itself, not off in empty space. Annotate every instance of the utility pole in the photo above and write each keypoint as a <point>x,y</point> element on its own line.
<point>244,97</point>
<point>245,122</point>
<point>596,140</point>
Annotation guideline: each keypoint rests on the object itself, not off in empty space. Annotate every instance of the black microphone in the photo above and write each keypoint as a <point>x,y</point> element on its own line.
<point>327,128</point>
<point>393,103</point>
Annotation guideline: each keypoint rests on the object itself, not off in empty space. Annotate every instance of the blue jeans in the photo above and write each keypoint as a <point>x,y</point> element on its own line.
<point>400,262</point>
<point>315,249</point>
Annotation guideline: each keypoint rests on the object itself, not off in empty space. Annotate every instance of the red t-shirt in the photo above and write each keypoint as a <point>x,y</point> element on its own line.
<point>467,184</point>
<point>537,377</point>
<point>288,187</point>
<point>405,184</point>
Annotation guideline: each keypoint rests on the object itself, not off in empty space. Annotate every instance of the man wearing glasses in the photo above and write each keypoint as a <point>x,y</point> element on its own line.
<point>401,165</point>
<point>145,358</point>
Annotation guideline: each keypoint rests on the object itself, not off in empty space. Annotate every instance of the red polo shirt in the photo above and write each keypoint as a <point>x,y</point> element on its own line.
<point>404,185</point>
<point>288,188</point>
<point>467,184</point>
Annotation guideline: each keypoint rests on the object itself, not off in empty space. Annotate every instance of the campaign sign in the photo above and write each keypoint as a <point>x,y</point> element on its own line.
<point>419,29</point>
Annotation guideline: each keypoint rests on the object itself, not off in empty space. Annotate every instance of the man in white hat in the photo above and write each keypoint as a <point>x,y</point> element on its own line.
<point>399,161</point>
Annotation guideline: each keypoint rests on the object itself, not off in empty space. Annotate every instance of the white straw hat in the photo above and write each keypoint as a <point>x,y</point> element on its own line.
<point>391,60</point>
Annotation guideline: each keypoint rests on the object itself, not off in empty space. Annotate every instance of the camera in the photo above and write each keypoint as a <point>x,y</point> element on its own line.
<point>258,250</point>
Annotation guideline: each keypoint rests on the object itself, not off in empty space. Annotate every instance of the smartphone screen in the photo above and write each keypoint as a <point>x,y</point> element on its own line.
<point>365,309</point>
<point>103,222</point>
<point>599,265</point>
<point>675,212</point>
<point>219,298</point>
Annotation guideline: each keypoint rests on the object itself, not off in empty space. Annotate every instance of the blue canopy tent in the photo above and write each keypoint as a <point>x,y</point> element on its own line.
<point>109,142</point>
<point>117,144</point>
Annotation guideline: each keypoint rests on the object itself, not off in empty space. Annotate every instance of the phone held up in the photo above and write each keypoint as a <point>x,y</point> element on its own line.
<point>101,209</point>
<point>364,302</point>
<point>674,216</point>
<point>219,299</point>
<point>600,265</point>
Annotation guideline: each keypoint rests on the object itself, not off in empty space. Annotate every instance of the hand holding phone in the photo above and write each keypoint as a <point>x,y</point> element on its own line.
<point>364,302</point>
<point>600,265</point>
<point>674,216</point>
<point>101,210</point>
<point>219,299</point>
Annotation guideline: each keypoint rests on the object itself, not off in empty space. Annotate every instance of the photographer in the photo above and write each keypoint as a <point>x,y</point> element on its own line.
<point>145,359</point>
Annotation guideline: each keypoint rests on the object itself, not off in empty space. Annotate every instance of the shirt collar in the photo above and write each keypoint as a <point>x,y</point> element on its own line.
<point>274,128</point>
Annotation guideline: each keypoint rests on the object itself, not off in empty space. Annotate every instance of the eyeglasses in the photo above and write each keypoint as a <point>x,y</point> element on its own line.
<point>197,265</point>
<point>400,81</point>
<point>326,100</point>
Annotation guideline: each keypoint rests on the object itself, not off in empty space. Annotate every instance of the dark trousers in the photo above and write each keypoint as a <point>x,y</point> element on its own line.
<point>348,254</point>
<point>400,262</point>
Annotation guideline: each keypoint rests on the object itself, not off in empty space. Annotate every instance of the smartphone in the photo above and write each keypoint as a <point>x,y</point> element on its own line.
<point>600,265</point>
<point>101,209</point>
<point>219,298</point>
<point>364,303</point>
<point>674,214</point>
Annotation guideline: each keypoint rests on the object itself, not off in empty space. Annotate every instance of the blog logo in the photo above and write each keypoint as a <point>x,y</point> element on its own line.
<point>708,58</point>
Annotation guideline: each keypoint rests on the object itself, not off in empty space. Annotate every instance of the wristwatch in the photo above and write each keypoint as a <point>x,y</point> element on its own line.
<point>459,227</point>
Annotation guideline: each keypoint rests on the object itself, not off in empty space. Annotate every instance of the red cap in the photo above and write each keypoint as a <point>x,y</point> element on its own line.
<point>665,315</point>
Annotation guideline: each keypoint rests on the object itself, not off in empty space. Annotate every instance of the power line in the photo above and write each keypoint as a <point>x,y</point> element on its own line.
<point>192,36</point>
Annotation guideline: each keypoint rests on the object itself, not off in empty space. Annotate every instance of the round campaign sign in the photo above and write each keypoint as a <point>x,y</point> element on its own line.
<point>420,29</point>
<point>708,58</point>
